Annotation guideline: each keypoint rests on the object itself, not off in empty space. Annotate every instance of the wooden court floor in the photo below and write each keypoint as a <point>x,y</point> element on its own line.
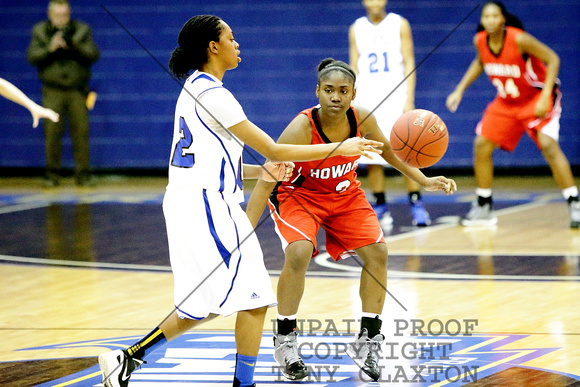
<point>87,270</point>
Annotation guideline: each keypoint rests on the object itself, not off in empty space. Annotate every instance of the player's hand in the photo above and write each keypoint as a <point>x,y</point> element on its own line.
<point>39,112</point>
<point>274,172</point>
<point>453,101</point>
<point>542,107</point>
<point>441,183</point>
<point>357,146</point>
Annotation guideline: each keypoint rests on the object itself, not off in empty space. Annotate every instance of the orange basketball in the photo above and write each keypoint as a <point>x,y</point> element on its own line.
<point>419,138</point>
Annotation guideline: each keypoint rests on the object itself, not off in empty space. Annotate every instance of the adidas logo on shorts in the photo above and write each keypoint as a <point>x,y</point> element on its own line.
<point>254,296</point>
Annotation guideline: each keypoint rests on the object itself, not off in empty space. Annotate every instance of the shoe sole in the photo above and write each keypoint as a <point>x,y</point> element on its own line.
<point>360,363</point>
<point>283,369</point>
<point>105,371</point>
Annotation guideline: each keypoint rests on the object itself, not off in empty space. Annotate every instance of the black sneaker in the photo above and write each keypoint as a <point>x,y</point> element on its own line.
<point>117,367</point>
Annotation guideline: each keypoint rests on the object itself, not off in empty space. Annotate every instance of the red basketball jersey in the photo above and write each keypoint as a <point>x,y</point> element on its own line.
<point>518,78</point>
<point>335,174</point>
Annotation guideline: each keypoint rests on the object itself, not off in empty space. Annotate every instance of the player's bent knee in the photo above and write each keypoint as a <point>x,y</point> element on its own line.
<point>298,254</point>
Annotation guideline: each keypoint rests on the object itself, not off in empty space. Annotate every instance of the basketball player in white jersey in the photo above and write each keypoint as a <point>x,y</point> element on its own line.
<point>215,256</point>
<point>381,53</point>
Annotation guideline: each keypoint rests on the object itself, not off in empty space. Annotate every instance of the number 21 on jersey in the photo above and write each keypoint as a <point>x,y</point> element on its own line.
<point>375,66</point>
<point>181,156</point>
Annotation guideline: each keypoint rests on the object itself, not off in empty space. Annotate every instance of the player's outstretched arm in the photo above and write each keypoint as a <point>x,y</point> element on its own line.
<point>440,183</point>
<point>13,93</point>
<point>257,139</point>
<point>271,172</point>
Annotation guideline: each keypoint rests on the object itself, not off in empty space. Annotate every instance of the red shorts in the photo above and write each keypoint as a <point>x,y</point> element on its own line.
<point>505,124</point>
<point>348,219</point>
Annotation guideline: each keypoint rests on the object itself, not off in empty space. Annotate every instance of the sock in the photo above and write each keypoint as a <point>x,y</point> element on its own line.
<point>154,340</point>
<point>483,192</point>
<point>286,325</point>
<point>380,198</point>
<point>483,196</point>
<point>244,373</point>
<point>570,193</point>
<point>372,325</point>
<point>414,197</point>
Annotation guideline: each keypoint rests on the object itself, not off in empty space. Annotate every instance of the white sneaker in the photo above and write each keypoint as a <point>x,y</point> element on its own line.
<point>117,367</point>
<point>364,351</point>
<point>479,216</point>
<point>286,354</point>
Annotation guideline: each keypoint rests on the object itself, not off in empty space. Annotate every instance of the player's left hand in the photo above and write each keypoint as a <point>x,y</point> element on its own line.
<point>273,172</point>
<point>441,183</point>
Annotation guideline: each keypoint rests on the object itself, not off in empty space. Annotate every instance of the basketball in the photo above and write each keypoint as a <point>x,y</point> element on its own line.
<point>419,138</point>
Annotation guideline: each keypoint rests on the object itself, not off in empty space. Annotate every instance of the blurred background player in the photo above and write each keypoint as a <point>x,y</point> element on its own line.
<point>217,263</point>
<point>314,197</point>
<point>13,93</point>
<point>63,51</point>
<point>528,99</point>
<point>381,54</point>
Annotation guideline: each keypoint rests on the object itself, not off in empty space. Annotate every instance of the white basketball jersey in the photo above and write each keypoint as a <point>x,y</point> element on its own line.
<point>380,64</point>
<point>204,153</point>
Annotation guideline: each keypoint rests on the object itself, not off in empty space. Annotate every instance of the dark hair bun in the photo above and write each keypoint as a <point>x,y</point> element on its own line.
<point>325,63</point>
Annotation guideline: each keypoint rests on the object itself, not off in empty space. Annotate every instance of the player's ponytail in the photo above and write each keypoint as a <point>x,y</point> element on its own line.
<point>328,64</point>
<point>510,19</point>
<point>194,39</point>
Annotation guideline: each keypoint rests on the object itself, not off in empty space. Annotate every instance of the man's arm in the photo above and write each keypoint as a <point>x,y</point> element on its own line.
<point>39,47</point>
<point>82,42</point>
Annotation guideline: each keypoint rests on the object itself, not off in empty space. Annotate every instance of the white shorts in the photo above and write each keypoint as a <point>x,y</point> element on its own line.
<point>386,114</point>
<point>216,259</point>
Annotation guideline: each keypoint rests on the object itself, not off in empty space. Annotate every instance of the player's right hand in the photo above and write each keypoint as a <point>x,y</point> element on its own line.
<point>357,146</point>
<point>273,172</point>
<point>453,101</point>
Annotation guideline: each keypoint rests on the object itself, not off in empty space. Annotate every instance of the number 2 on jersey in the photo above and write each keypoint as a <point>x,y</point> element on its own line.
<point>373,63</point>
<point>181,158</point>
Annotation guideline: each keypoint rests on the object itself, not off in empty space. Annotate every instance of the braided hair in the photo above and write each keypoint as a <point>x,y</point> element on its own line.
<point>194,39</point>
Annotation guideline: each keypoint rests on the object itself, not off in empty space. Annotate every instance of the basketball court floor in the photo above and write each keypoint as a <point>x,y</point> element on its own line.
<point>87,270</point>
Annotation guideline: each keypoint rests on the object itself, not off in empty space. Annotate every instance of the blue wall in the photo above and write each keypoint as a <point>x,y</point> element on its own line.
<point>281,44</point>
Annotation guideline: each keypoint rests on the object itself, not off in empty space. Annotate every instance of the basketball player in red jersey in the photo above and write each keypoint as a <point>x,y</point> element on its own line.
<point>327,193</point>
<point>524,71</point>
